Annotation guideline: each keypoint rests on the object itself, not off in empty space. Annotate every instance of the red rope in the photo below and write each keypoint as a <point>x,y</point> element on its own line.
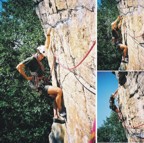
<point>80,61</point>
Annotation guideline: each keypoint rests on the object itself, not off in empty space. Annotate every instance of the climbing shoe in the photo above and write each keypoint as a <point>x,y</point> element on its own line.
<point>125,60</point>
<point>58,120</point>
<point>62,113</point>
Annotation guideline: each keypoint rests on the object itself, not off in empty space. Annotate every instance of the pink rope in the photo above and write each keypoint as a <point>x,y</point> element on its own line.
<point>93,132</point>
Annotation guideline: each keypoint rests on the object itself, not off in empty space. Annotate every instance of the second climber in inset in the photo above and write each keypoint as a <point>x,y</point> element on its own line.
<point>117,38</point>
<point>113,106</point>
<point>36,76</point>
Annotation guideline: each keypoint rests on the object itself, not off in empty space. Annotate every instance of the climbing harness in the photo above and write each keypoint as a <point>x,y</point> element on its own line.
<point>72,68</point>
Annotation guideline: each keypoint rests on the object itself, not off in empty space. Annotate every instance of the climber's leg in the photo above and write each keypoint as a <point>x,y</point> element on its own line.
<point>57,118</point>
<point>124,49</point>
<point>58,99</point>
<point>120,22</point>
<point>56,93</point>
<point>114,24</point>
<point>55,110</point>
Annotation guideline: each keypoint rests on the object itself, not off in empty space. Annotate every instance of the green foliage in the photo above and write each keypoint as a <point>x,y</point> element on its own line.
<point>111,130</point>
<point>25,117</point>
<point>108,56</point>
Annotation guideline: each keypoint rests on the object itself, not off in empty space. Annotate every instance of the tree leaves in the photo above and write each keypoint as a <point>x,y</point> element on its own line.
<point>25,117</point>
<point>108,57</point>
<point>111,130</point>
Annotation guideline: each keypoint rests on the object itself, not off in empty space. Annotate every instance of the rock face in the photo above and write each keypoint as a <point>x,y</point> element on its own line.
<point>131,104</point>
<point>133,31</point>
<point>73,35</point>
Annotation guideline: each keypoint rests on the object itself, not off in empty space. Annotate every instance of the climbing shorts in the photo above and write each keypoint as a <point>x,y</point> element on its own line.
<point>118,47</point>
<point>43,89</point>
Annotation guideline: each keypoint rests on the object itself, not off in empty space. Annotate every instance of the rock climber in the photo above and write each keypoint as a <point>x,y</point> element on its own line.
<point>36,77</point>
<point>113,106</point>
<point>117,38</point>
<point>121,76</point>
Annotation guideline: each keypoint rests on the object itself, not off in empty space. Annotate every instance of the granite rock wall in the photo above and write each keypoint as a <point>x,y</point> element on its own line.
<point>131,104</point>
<point>73,34</point>
<point>133,31</point>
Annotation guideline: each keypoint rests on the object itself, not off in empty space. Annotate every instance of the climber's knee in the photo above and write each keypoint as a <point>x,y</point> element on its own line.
<point>59,91</point>
<point>54,90</point>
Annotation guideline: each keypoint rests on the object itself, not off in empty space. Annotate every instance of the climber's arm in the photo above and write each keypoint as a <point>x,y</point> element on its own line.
<point>20,67</point>
<point>116,92</point>
<point>114,24</point>
<point>114,95</point>
<point>120,23</point>
<point>47,42</point>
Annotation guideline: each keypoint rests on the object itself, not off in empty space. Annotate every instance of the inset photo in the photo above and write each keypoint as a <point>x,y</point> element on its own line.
<point>120,32</point>
<point>120,106</point>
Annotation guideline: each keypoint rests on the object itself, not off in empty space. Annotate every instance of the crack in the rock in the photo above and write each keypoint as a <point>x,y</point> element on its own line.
<point>66,3</point>
<point>84,83</point>
<point>65,77</point>
<point>57,23</point>
<point>69,14</point>
<point>73,59</point>
<point>87,115</point>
